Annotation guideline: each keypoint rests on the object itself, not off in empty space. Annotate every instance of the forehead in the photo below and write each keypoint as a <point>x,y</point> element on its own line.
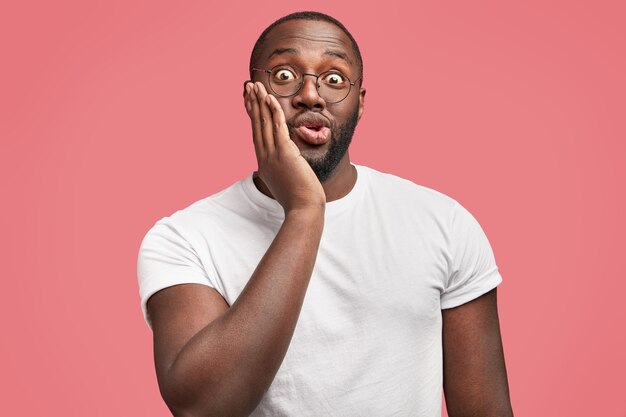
<point>308,39</point>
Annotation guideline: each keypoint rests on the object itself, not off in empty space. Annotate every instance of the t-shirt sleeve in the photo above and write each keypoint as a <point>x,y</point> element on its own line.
<point>165,259</point>
<point>472,270</point>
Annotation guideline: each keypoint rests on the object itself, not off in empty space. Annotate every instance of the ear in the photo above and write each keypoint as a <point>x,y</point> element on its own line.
<point>361,102</point>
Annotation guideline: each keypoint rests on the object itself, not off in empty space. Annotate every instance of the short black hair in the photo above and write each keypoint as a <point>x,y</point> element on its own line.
<point>317,16</point>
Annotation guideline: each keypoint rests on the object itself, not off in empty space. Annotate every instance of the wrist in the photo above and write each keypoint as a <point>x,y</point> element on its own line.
<point>306,214</point>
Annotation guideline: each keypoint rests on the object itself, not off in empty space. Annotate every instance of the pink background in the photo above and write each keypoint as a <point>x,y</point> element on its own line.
<point>115,114</point>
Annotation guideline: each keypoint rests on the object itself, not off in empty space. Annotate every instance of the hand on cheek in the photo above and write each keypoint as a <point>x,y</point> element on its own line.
<point>282,168</point>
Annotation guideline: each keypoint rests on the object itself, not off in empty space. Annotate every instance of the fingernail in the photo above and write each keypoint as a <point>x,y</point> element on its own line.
<point>248,106</point>
<point>268,100</point>
<point>256,88</point>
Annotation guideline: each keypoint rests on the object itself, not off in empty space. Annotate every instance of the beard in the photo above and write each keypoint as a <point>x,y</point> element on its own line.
<point>341,136</point>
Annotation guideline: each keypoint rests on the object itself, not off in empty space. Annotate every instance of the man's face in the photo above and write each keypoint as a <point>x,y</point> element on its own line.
<point>315,47</point>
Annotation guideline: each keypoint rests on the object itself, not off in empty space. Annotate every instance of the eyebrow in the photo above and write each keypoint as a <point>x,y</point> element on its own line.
<point>281,51</point>
<point>338,54</point>
<point>294,51</point>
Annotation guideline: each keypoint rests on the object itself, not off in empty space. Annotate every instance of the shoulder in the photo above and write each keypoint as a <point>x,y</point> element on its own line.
<point>404,193</point>
<point>204,213</point>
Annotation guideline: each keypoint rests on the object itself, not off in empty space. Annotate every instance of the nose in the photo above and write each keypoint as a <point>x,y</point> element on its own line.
<point>308,97</point>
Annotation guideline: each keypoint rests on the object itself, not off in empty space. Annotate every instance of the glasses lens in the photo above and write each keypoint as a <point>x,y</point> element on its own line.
<point>285,81</point>
<point>333,86</point>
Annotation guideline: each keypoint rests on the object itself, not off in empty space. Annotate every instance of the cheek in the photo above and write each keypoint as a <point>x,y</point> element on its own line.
<point>285,104</point>
<point>345,110</point>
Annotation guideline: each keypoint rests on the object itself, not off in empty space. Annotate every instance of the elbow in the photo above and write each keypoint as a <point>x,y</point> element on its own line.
<point>182,406</point>
<point>499,411</point>
<point>185,399</point>
<point>207,409</point>
<point>178,405</point>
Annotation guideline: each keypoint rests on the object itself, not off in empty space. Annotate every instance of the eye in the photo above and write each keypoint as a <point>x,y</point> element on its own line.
<point>334,79</point>
<point>284,75</point>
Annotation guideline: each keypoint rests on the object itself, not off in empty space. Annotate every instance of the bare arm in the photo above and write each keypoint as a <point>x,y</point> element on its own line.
<point>475,381</point>
<point>212,360</point>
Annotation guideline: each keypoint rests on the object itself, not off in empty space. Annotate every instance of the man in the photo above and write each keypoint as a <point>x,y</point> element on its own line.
<point>316,287</point>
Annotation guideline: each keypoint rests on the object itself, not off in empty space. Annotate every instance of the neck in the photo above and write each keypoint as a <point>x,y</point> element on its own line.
<point>337,186</point>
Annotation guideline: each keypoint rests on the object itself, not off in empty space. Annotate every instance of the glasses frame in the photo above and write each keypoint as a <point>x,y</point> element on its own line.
<point>317,85</point>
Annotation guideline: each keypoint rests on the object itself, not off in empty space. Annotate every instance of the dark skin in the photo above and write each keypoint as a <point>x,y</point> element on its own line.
<point>213,359</point>
<point>474,372</point>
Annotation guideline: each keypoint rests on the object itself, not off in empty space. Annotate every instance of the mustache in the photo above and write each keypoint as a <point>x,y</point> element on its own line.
<point>309,118</point>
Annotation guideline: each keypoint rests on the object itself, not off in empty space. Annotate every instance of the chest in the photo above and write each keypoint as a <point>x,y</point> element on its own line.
<point>376,266</point>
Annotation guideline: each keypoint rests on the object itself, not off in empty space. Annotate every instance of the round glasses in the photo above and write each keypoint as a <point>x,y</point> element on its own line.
<point>286,81</point>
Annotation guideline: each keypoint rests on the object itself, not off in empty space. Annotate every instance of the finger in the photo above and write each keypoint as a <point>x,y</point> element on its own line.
<point>257,137</point>
<point>255,119</point>
<point>246,97</point>
<point>281,132</point>
<point>266,117</point>
<point>245,87</point>
<point>247,100</point>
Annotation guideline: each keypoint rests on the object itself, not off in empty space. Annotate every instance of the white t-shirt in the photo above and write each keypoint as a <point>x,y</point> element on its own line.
<point>368,339</point>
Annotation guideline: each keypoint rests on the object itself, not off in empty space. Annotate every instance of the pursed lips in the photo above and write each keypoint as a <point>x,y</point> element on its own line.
<point>311,120</point>
<point>313,129</point>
